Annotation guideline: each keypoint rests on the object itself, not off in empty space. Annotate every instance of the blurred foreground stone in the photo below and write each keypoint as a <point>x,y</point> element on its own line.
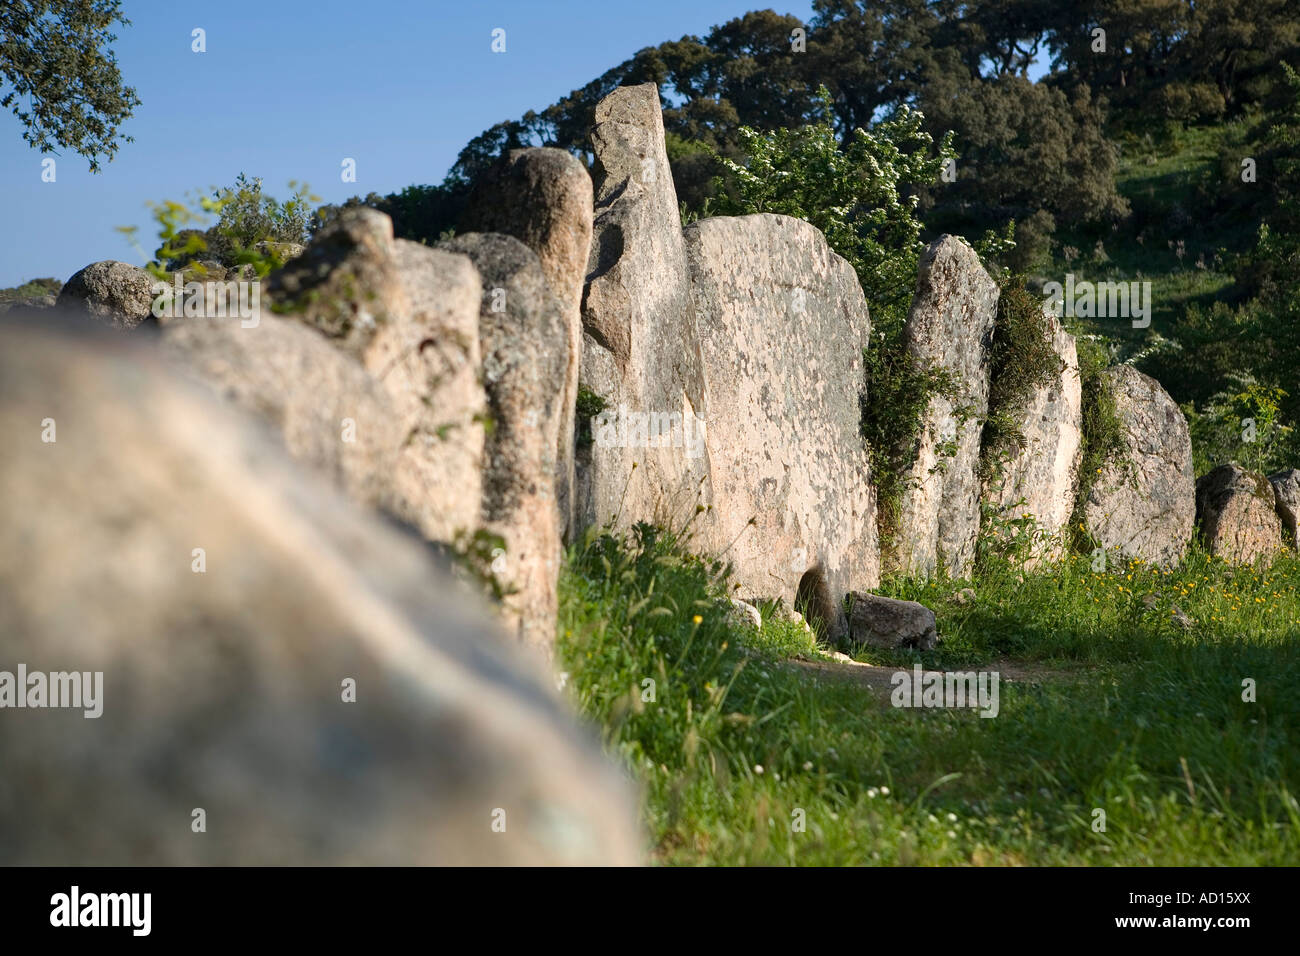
<point>224,670</point>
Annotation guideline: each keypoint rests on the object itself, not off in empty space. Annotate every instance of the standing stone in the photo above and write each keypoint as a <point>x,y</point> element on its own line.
<point>113,292</point>
<point>409,314</point>
<point>1144,503</point>
<point>228,690</point>
<point>641,350</point>
<point>783,324</point>
<point>1286,490</point>
<point>950,325</point>
<point>525,367</point>
<point>543,197</point>
<point>332,414</point>
<point>1042,477</point>
<point>1237,513</point>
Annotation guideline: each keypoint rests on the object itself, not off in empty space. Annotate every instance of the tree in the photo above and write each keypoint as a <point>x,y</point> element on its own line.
<point>1028,151</point>
<point>1173,60</point>
<point>60,76</point>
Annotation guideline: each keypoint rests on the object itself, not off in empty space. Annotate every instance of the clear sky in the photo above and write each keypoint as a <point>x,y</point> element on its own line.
<point>287,89</point>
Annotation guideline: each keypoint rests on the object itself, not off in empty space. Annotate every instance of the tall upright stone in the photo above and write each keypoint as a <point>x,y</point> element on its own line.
<point>950,325</point>
<point>525,366</point>
<point>410,315</point>
<point>640,346</point>
<point>543,197</point>
<point>1041,477</point>
<point>783,324</point>
<point>1143,504</point>
<point>1286,491</point>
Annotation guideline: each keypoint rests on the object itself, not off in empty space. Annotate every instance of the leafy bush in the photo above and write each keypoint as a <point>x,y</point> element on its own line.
<point>588,406</point>
<point>423,214</point>
<point>33,290</point>
<point>248,216</point>
<point>1241,423</point>
<point>862,196</point>
<point>250,229</point>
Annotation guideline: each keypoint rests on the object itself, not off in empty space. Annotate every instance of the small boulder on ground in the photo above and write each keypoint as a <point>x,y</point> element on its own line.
<point>1237,513</point>
<point>744,615</point>
<point>113,292</point>
<point>889,623</point>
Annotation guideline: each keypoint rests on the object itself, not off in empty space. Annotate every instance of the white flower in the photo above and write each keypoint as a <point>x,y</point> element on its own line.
<point>758,768</point>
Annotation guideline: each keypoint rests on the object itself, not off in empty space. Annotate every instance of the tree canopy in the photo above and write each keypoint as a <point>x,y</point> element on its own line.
<point>60,77</point>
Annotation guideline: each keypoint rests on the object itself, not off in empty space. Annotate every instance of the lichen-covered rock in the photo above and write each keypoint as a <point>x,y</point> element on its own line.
<point>543,197</point>
<point>331,413</point>
<point>113,292</point>
<point>950,325</point>
<point>890,623</point>
<point>284,251</point>
<point>782,323</point>
<point>525,367</point>
<point>31,296</point>
<point>641,350</point>
<point>1041,477</point>
<point>1144,503</point>
<point>744,615</point>
<point>1237,513</point>
<point>1286,492</point>
<point>309,680</point>
<point>409,316</point>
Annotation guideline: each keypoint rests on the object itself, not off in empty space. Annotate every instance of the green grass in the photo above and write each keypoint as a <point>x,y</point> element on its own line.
<point>1125,711</point>
<point>1185,192</point>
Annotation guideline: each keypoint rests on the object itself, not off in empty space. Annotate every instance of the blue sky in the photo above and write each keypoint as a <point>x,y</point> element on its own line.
<point>288,89</point>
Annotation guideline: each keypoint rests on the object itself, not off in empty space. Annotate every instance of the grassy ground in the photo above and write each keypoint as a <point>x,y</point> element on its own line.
<point>1125,710</point>
<point>1191,214</point>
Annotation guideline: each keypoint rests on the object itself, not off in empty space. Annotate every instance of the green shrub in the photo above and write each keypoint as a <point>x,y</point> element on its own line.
<point>898,391</point>
<point>588,406</point>
<point>247,216</point>
<point>1023,360</point>
<point>1102,438</point>
<point>249,230</point>
<point>33,290</point>
<point>425,214</point>
<point>1242,423</point>
<point>862,196</point>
